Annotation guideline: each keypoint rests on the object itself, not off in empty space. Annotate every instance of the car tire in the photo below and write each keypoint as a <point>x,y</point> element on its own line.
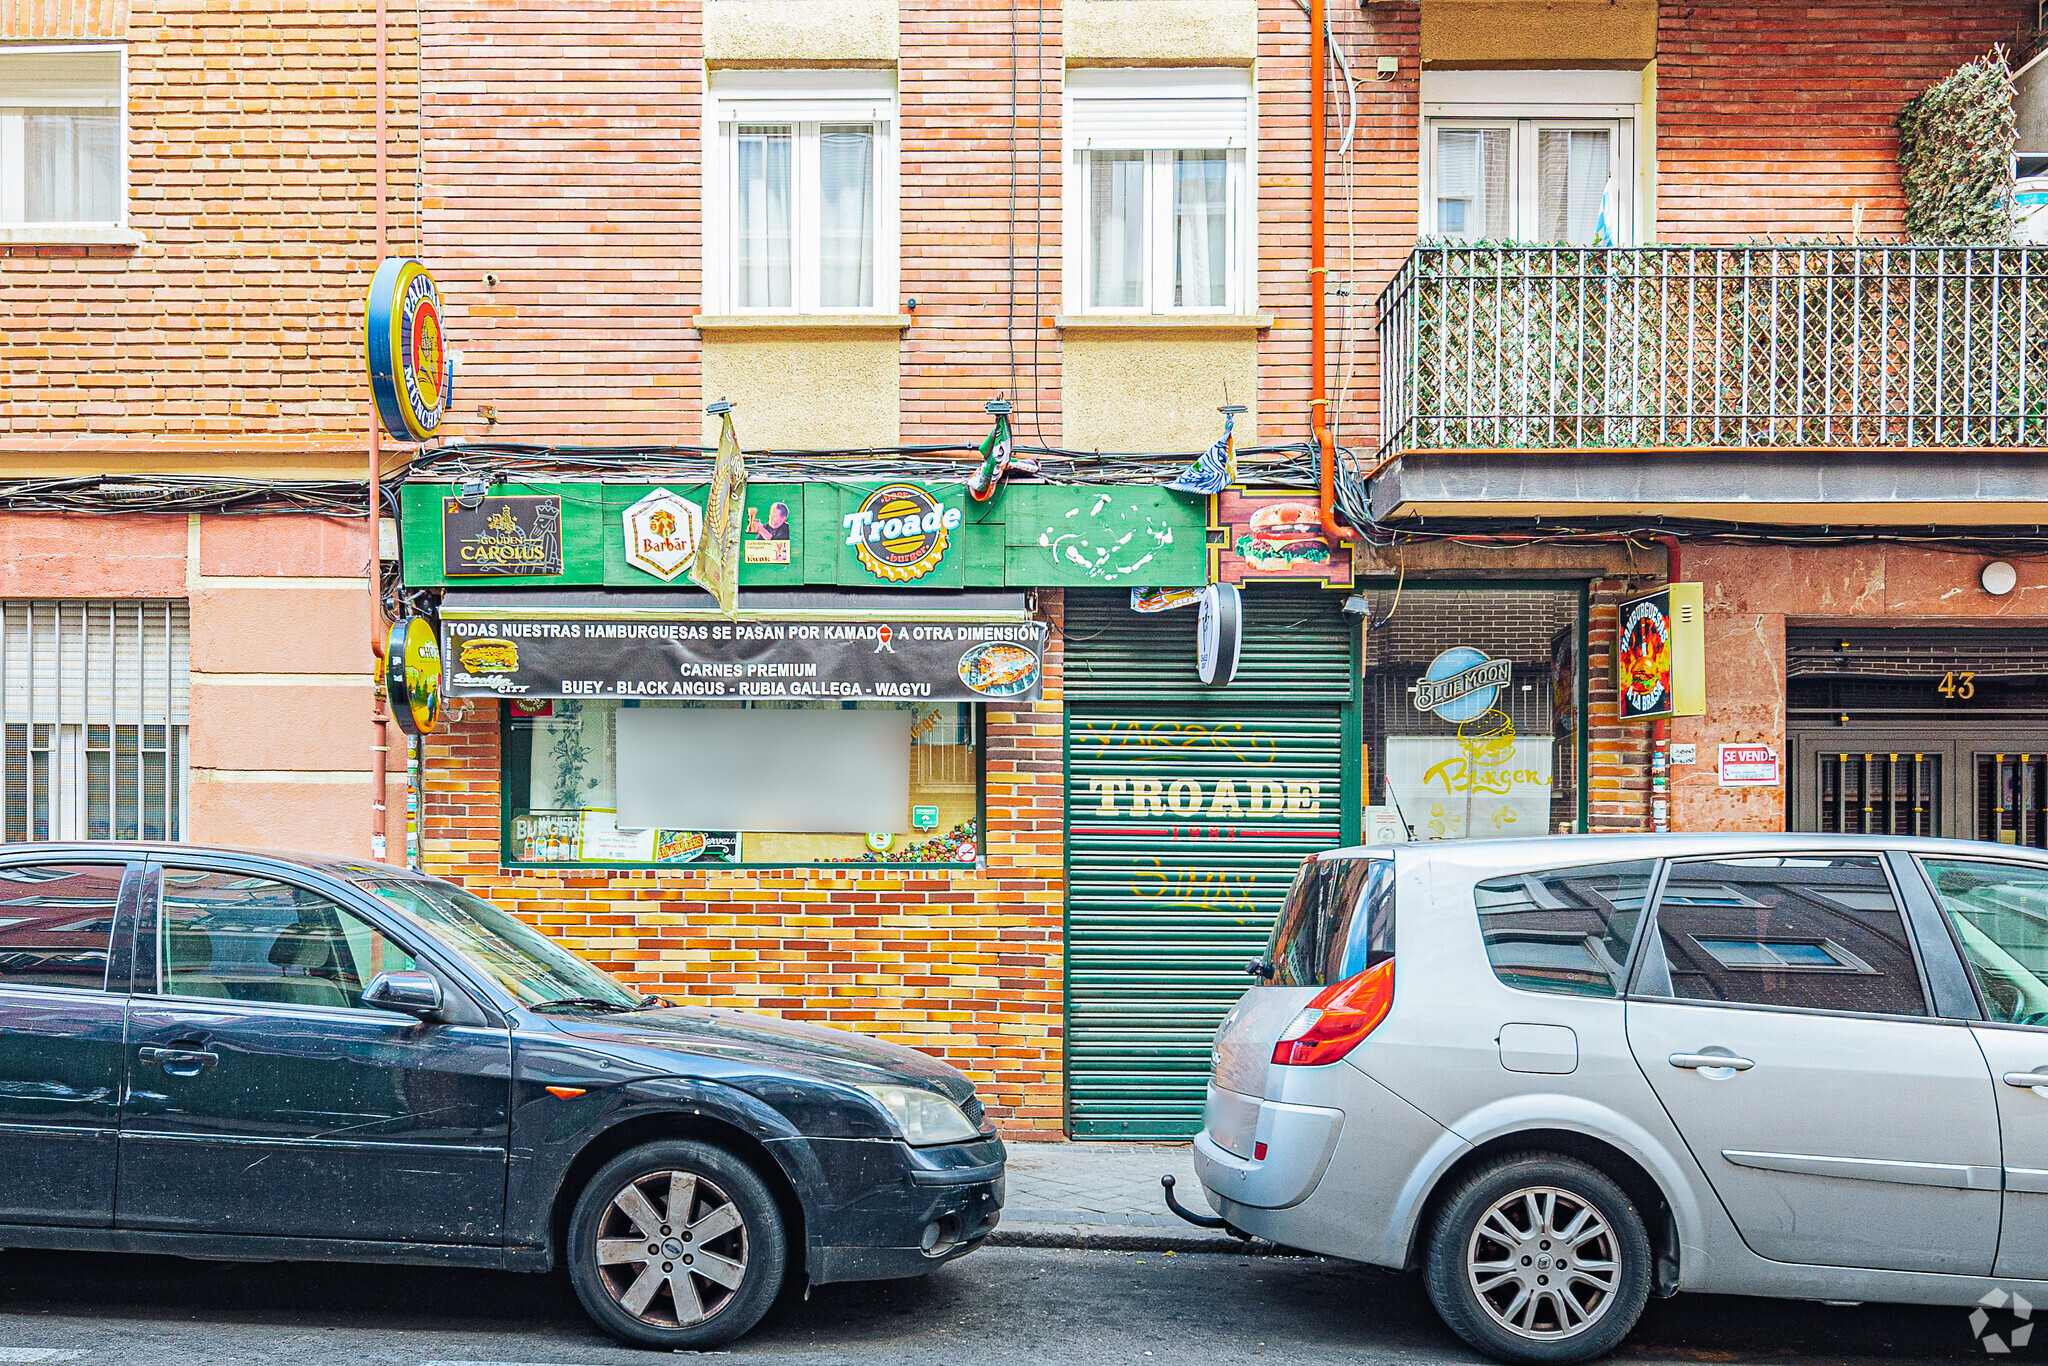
<point>1539,1258</point>
<point>699,1281</point>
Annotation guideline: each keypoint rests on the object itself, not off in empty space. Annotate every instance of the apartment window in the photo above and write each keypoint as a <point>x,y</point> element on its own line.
<point>1555,165</point>
<point>806,175</point>
<point>93,695</point>
<point>1158,192</point>
<point>62,139</point>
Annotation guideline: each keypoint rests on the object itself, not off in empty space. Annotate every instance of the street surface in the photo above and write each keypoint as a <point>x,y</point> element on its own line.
<point>1025,1305</point>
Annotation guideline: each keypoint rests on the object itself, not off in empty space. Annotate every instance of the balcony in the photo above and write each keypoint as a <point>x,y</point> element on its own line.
<point>1768,383</point>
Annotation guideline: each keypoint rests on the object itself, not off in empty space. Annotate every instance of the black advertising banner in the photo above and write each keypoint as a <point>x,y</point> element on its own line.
<point>737,661</point>
<point>519,534</point>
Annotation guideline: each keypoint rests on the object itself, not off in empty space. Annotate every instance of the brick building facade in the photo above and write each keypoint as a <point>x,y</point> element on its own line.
<point>572,178</point>
<point>181,331</point>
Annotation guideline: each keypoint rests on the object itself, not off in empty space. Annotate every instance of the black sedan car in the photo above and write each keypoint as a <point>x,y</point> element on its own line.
<point>233,1055</point>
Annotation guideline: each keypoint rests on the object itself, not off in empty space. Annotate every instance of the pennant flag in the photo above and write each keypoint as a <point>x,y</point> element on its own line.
<point>717,568</point>
<point>1216,468</point>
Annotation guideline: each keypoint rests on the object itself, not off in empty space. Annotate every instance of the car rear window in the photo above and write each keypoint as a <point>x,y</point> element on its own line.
<point>1338,921</point>
<point>1564,930</point>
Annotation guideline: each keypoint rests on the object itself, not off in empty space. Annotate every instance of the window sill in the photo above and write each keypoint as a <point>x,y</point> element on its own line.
<point>68,235</point>
<point>1163,322</point>
<point>803,322</point>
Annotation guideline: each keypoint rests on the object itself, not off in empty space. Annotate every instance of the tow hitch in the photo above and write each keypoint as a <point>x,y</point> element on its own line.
<point>1198,1220</point>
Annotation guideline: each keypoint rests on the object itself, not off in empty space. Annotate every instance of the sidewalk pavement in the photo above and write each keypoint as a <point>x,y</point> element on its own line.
<point>1106,1195</point>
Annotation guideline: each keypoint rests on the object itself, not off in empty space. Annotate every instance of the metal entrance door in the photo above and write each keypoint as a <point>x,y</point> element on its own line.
<point>1959,787</point>
<point>1919,731</point>
<point>1188,811</point>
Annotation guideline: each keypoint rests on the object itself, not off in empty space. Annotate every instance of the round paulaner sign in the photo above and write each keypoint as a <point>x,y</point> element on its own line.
<point>411,376</point>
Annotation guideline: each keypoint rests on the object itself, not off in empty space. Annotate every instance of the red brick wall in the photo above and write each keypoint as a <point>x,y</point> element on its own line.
<point>962,166</point>
<point>1618,755</point>
<point>1372,218</point>
<point>963,964</point>
<point>1775,117</point>
<point>562,157</point>
<point>250,180</point>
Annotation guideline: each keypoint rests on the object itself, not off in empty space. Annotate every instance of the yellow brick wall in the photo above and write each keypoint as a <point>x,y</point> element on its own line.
<point>965,964</point>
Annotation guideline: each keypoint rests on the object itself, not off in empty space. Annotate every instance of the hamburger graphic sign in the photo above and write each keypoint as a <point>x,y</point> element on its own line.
<point>1273,535</point>
<point>901,533</point>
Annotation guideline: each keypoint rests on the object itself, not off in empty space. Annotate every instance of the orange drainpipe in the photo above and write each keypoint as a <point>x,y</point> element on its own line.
<point>380,628</point>
<point>1319,281</point>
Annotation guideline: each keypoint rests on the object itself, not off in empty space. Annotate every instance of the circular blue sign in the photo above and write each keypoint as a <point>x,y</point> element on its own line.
<point>1456,705</point>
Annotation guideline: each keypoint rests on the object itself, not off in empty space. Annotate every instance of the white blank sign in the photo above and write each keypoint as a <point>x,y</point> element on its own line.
<point>809,771</point>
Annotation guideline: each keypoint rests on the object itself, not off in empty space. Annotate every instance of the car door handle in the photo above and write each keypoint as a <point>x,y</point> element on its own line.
<point>179,1062</point>
<point>2030,1080</point>
<point>1706,1062</point>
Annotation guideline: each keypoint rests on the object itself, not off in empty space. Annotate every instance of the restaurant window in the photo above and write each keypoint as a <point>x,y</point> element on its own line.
<point>766,784</point>
<point>62,140</point>
<point>1543,157</point>
<point>94,697</point>
<point>1159,191</point>
<point>1474,712</point>
<point>801,198</point>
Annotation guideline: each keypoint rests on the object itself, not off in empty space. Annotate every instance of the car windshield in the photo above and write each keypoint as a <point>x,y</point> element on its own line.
<point>504,948</point>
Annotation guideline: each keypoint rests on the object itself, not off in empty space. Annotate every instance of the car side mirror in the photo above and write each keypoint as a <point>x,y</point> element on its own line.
<point>410,993</point>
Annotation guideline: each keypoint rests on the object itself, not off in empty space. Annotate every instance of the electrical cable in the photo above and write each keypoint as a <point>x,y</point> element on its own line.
<point>114,494</point>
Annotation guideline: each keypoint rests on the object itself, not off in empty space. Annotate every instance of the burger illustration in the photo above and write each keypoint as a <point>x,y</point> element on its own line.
<point>1283,536</point>
<point>489,656</point>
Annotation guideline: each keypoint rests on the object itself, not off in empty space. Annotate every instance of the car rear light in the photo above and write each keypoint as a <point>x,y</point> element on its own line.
<point>1258,1152</point>
<point>1338,1019</point>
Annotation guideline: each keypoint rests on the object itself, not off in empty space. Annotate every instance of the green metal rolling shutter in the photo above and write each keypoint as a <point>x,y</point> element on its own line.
<point>1189,809</point>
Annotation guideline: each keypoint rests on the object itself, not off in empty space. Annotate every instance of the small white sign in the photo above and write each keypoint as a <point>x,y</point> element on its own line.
<point>1749,766</point>
<point>662,533</point>
<point>1685,754</point>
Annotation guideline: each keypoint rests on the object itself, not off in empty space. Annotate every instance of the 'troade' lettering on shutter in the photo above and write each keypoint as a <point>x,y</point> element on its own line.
<point>1227,799</point>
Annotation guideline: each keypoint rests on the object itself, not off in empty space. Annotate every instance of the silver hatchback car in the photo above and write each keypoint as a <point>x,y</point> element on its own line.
<point>1559,1075</point>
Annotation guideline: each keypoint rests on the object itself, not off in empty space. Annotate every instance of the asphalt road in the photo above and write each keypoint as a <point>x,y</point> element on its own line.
<point>1043,1308</point>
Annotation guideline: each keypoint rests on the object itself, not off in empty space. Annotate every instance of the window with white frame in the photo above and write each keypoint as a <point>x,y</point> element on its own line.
<point>801,193</point>
<point>93,703</point>
<point>62,138</point>
<point>1158,196</point>
<point>1541,156</point>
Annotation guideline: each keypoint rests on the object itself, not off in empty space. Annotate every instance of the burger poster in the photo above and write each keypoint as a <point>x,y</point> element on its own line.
<point>1659,654</point>
<point>1272,536</point>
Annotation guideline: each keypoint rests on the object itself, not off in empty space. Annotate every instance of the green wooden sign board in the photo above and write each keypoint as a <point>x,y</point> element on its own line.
<point>877,534</point>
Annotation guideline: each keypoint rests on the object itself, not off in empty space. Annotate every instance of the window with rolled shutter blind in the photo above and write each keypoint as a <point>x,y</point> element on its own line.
<point>93,719</point>
<point>1158,191</point>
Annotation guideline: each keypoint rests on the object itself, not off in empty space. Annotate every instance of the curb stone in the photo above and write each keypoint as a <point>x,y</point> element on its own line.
<point>1112,1238</point>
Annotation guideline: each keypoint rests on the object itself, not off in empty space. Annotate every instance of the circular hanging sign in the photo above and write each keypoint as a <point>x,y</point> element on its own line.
<point>412,675</point>
<point>411,374</point>
<point>1219,633</point>
<point>900,531</point>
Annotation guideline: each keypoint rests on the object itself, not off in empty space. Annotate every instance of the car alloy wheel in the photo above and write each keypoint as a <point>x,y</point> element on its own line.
<point>677,1245</point>
<point>1538,1257</point>
<point>1543,1264</point>
<point>672,1249</point>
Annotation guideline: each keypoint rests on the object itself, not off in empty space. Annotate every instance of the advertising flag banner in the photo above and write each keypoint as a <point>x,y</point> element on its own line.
<point>717,567</point>
<point>1216,468</point>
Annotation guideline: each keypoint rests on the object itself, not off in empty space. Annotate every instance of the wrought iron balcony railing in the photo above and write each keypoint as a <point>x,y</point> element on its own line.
<point>1847,346</point>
